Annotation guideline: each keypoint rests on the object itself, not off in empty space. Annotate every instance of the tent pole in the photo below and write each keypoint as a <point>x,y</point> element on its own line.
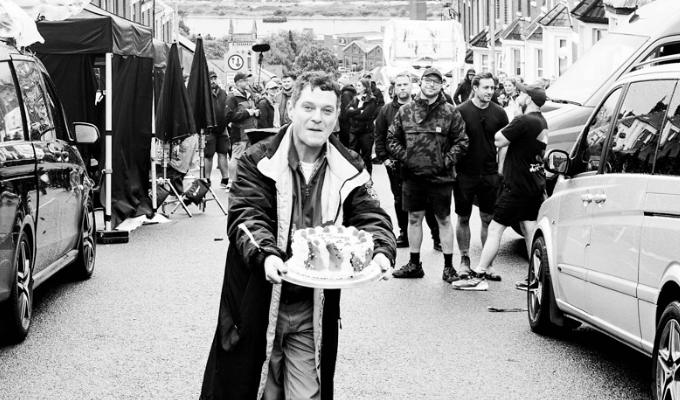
<point>108,144</point>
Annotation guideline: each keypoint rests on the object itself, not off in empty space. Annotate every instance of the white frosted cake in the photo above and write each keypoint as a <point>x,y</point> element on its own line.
<point>331,252</point>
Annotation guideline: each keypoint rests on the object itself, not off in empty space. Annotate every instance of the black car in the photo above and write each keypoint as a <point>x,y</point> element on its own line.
<point>46,212</point>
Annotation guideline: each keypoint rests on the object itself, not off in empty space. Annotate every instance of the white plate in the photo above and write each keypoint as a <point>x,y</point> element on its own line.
<point>371,273</point>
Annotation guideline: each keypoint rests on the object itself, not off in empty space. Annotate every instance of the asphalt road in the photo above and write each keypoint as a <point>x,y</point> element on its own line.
<point>141,328</point>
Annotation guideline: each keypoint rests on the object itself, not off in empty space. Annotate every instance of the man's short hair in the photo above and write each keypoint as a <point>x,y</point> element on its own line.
<point>483,75</point>
<point>289,74</point>
<point>403,74</point>
<point>315,79</point>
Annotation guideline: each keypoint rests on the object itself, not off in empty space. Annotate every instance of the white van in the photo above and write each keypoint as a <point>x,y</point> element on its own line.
<point>606,250</point>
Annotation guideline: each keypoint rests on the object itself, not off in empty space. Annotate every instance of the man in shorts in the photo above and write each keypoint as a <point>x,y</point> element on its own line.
<point>523,180</point>
<point>428,138</point>
<point>217,139</point>
<point>478,170</point>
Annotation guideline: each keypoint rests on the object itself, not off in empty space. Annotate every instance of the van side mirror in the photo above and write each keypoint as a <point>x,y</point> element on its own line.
<point>86,133</point>
<point>557,162</point>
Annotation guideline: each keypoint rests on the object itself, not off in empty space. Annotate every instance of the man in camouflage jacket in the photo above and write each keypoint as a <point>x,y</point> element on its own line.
<point>428,137</point>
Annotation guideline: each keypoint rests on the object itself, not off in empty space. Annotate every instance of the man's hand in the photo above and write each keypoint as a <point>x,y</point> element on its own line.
<point>274,267</point>
<point>389,163</point>
<point>384,264</point>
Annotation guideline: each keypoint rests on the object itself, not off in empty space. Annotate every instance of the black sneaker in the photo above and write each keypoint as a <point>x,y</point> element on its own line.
<point>464,267</point>
<point>224,183</point>
<point>410,270</point>
<point>402,241</point>
<point>450,275</point>
<point>437,246</point>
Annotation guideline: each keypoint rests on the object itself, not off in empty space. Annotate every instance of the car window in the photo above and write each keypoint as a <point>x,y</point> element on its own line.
<point>664,50</point>
<point>35,104</point>
<point>589,151</point>
<point>668,150</point>
<point>55,110</point>
<point>11,124</point>
<point>632,145</point>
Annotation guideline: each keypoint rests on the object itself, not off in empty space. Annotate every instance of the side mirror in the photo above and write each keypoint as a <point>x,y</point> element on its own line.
<point>557,162</point>
<point>85,133</point>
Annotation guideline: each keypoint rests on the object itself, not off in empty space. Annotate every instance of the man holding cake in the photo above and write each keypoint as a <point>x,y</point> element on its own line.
<point>276,340</point>
<point>428,138</point>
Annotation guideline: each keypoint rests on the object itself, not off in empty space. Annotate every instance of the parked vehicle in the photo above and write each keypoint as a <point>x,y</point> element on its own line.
<point>46,213</point>
<point>605,251</point>
<point>652,34</point>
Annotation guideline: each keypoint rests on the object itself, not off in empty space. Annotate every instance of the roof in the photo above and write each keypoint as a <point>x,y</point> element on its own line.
<point>516,30</point>
<point>558,16</point>
<point>625,3</point>
<point>590,11</point>
<point>366,47</point>
<point>482,38</point>
<point>535,30</point>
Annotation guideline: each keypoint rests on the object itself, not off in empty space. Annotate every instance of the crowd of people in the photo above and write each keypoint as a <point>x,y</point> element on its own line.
<point>482,146</point>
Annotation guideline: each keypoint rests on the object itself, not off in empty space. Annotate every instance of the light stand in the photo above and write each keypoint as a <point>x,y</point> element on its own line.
<point>260,47</point>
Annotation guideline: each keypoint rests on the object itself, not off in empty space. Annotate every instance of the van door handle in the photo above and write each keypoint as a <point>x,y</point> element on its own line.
<point>600,198</point>
<point>586,199</point>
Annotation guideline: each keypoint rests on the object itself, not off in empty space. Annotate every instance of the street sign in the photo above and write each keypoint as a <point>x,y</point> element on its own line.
<point>235,62</point>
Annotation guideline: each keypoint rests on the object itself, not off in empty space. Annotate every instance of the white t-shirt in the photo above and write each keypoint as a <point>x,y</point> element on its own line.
<point>307,170</point>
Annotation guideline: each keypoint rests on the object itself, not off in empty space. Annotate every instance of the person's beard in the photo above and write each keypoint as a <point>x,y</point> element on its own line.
<point>403,96</point>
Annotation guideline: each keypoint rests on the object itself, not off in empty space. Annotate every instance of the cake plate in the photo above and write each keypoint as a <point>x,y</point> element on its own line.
<point>371,273</point>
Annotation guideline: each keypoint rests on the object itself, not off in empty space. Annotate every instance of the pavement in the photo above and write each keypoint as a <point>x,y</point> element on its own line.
<point>142,326</point>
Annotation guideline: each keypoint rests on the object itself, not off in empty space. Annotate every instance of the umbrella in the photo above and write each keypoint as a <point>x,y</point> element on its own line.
<point>174,116</point>
<point>199,89</point>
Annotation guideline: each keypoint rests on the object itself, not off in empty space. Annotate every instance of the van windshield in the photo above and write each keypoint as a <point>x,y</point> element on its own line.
<point>593,69</point>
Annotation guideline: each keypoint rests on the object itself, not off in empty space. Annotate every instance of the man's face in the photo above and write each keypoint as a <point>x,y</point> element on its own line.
<point>403,88</point>
<point>430,86</point>
<point>485,90</point>
<point>273,91</point>
<point>213,82</point>
<point>243,84</point>
<point>313,116</point>
<point>287,83</point>
<point>470,75</point>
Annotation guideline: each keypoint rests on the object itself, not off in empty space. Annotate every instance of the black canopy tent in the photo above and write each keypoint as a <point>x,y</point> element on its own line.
<point>71,49</point>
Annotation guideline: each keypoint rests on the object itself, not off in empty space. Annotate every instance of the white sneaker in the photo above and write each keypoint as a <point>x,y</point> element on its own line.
<point>471,284</point>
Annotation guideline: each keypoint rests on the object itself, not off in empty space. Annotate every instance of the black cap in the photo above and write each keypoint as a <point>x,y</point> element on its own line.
<point>211,74</point>
<point>432,71</point>
<point>535,92</point>
<point>241,75</point>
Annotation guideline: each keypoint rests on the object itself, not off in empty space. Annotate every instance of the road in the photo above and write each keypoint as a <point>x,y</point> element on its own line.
<point>141,328</point>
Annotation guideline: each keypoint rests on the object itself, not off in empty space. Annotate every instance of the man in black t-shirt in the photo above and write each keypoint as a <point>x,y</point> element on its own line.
<point>523,180</point>
<point>478,169</point>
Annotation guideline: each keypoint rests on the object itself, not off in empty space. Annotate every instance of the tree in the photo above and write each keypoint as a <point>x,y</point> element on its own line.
<point>183,29</point>
<point>316,58</point>
<point>286,46</point>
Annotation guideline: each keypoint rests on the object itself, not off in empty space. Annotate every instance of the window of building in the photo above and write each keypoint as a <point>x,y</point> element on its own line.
<point>597,35</point>
<point>539,63</point>
<point>11,124</point>
<point>516,62</point>
<point>633,142</point>
<point>485,63</point>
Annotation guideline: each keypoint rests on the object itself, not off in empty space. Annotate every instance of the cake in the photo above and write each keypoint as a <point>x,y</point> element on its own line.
<point>331,252</point>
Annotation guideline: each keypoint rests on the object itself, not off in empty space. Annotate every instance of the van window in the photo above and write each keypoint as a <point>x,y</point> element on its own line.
<point>37,113</point>
<point>668,149</point>
<point>589,150</point>
<point>664,50</point>
<point>632,145</point>
<point>11,124</point>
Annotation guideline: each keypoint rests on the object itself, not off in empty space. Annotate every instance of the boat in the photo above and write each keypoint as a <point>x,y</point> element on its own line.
<point>275,19</point>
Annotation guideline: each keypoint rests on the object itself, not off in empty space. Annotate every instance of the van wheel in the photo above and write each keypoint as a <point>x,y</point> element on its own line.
<point>83,267</point>
<point>16,313</point>
<point>666,356</point>
<point>539,294</point>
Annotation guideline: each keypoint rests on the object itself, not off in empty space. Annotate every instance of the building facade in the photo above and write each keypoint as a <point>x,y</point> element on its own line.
<point>362,55</point>
<point>163,19</point>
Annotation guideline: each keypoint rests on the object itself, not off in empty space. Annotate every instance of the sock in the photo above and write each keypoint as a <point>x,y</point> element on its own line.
<point>415,258</point>
<point>448,260</point>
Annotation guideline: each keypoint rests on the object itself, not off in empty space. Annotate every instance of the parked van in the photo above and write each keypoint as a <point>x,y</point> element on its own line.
<point>606,248</point>
<point>651,36</point>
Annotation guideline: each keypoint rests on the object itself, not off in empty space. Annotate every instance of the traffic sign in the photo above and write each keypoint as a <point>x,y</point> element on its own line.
<point>235,62</point>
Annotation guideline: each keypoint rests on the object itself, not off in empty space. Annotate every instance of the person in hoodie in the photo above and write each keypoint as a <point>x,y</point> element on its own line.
<point>361,112</point>
<point>428,137</point>
<point>347,95</point>
<point>464,88</point>
<point>287,81</point>
<point>242,114</point>
<point>401,90</point>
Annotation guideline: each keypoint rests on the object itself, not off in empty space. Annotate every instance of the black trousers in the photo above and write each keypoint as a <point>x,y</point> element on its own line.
<point>394,174</point>
<point>363,144</point>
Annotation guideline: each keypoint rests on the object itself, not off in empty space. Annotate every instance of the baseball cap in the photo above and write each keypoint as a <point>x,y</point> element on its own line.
<point>432,71</point>
<point>211,74</point>
<point>271,85</point>
<point>535,92</point>
<point>241,75</point>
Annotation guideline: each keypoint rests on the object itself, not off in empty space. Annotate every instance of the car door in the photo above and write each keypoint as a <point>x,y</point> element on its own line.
<point>572,229</point>
<point>17,172</point>
<point>616,209</point>
<point>660,224</point>
<point>52,173</point>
